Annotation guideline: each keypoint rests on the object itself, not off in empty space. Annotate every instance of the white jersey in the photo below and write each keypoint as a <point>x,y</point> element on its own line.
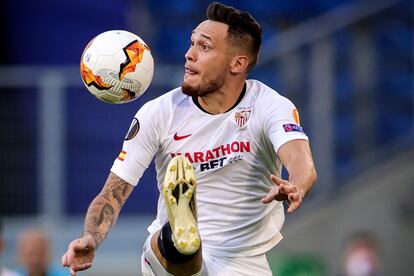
<point>233,155</point>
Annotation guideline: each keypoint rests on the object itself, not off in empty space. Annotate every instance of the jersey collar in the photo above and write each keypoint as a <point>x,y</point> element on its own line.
<point>195,100</point>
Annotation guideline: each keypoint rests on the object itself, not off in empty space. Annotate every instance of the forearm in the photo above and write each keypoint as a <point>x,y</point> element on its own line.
<point>297,158</point>
<point>105,208</point>
<point>95,223</point>
<point>303,174</point>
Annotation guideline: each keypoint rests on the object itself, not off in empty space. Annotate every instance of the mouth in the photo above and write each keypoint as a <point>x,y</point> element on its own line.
<point>190,71</point>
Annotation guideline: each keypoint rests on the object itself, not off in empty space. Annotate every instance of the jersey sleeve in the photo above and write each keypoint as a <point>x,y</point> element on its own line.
<point>282,123</point>
<point>139,147</point>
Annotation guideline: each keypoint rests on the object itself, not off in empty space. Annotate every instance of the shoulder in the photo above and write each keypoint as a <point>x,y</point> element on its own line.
<point>158,113</point>
<point>266,97</point>
<point>166,102</point>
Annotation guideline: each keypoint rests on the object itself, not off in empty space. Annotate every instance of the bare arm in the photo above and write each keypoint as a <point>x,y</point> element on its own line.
<point>297,158</point>
<point>104,209</point>
<point>100,217</point>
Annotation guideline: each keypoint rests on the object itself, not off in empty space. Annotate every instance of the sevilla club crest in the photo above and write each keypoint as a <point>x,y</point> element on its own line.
<point>242,116</point>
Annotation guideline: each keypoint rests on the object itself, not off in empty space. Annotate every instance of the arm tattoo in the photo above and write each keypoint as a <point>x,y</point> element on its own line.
<point>112,184</point>
<point>121,193</point>
<point>97,237</point>
<point>106,215</point>
<point>104,209</point>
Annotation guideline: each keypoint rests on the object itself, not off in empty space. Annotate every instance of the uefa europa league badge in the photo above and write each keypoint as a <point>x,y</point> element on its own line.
<point>241,117</point>
<point>133,129</point>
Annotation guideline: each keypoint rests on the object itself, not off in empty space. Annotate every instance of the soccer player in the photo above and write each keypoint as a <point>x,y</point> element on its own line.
<point>219,143</point>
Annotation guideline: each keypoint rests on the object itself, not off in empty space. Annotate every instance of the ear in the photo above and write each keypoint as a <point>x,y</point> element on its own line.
<point>239,64</point>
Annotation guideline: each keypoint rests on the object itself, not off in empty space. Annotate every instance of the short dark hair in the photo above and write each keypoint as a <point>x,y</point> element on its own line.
<point>243,28</point>
<point>363,238</point>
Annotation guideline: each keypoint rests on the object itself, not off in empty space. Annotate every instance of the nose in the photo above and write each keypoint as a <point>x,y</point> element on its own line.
<point>190,55</point>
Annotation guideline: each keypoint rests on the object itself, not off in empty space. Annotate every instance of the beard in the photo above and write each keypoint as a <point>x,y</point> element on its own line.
<point>205,88</point>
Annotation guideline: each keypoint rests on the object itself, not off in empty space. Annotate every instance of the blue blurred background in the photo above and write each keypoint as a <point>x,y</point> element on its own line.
<point>347,65</point>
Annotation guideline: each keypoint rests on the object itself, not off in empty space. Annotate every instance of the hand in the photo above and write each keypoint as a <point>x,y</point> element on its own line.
<point>284,190</point>
<point>80,254</point>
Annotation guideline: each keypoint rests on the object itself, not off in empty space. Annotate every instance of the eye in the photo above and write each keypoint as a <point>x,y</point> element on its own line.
<point>205,47</point>
<point>191,43</point>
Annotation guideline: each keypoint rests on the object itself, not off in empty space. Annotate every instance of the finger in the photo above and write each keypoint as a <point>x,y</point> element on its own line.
<point>271,195</point>
<point>65,260</point>
<point>294,205</point>
<point>287,189</point>
<point>278,180</point>
<point>72,272</point>
<point>81,267</point>
<point>293,197</point>
<point>70,254</point>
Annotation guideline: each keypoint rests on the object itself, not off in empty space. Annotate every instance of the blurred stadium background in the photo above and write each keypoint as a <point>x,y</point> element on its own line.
<point>348,66</point>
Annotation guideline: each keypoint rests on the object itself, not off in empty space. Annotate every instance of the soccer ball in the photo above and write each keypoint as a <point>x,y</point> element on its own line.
<point>117,66</point>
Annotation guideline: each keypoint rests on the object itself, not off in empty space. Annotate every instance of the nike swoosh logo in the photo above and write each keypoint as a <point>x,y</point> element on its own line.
<point>176,137</point>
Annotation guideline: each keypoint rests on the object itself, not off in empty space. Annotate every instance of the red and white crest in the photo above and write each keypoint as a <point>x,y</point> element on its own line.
<point>242,116</point>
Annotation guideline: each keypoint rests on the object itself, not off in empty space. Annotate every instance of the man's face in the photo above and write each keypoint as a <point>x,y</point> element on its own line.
<point>34,252</point>
<point>361,260</point>
<point>207,60</point>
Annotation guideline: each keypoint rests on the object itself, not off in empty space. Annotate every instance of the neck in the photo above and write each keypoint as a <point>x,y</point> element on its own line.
<point>222,100</point>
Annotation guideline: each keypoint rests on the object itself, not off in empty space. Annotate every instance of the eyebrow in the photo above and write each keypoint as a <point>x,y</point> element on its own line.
<point>203,35</point>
